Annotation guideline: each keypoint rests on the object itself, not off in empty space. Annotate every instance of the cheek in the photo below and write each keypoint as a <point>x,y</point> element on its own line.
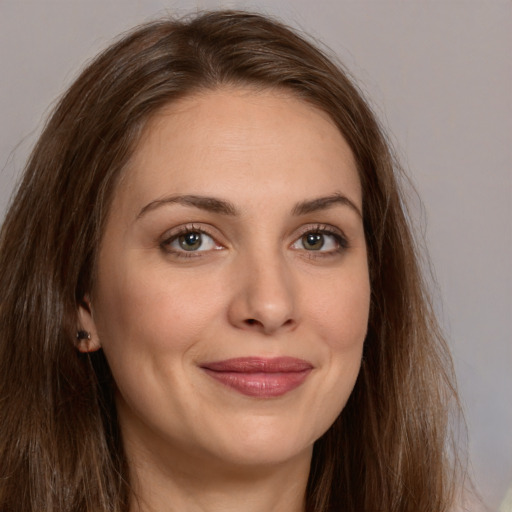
<point>150,314</point>
<point>341,319</point>
<point>151,326</point>
<point>342,311</point>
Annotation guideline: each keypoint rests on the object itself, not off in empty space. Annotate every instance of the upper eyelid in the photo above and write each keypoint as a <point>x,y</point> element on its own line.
<point>321,228</point>
<point>189,228</point>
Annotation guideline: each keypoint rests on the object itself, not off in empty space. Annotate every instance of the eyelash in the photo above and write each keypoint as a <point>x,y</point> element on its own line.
<point>184,230</point>
<point>324,229</point>
<point>321,229</point>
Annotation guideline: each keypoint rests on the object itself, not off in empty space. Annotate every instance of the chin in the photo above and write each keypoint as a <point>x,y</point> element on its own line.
<point>254,456</point>
<point>265,443</point>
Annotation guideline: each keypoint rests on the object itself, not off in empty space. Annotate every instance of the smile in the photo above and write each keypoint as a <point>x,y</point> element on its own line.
<point>260,377</point>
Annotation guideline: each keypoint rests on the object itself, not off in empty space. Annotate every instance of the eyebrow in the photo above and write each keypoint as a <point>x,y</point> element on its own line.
<point>214,205</point>
<point>210,204</point>
<point>324,203</point>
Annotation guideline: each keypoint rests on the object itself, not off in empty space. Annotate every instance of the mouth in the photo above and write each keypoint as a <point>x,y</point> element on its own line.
<point>260,377</point>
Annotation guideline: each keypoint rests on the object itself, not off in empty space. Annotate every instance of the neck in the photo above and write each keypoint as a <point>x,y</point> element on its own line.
<point>163,485</point>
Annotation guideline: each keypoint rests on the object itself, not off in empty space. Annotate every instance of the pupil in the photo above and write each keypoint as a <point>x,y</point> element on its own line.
<point>313,241</point>
<point>190,241</point>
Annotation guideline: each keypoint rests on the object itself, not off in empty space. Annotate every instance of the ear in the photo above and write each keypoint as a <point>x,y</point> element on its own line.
<point>87,334</point>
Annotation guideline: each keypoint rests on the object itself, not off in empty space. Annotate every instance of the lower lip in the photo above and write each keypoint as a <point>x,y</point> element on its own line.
<point>260,384</point>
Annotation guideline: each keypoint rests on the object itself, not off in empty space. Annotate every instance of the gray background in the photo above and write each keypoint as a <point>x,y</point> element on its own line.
<point>440,76</point>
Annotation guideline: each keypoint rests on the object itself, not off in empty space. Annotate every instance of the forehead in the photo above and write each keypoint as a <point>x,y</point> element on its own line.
<point>214,141</point>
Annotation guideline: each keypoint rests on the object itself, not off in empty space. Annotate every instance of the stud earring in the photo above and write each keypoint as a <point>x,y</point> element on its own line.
<point>83,335</point>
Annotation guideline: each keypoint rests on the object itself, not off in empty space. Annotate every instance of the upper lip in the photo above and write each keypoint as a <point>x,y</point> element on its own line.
<point>259,365</point>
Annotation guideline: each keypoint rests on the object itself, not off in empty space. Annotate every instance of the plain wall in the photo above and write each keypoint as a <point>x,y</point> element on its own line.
<point>440,77</point>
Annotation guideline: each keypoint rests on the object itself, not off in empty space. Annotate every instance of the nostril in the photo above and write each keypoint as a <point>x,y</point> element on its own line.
<point>254,323</point>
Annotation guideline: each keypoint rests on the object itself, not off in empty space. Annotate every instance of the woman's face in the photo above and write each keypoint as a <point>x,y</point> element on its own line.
<point>232,290</point>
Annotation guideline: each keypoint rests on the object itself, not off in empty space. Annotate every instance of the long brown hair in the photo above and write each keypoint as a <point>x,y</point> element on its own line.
<point>60,448</point>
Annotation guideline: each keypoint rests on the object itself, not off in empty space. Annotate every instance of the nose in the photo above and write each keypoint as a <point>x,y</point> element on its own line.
<point>264,298</point>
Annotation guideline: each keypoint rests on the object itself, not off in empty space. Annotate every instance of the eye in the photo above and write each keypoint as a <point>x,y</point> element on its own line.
<point>190,241</point>
<point>320,240</point>
<point>313,241</point>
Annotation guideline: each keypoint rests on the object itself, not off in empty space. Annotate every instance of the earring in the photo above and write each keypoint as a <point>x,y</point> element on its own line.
<point>83,335</point>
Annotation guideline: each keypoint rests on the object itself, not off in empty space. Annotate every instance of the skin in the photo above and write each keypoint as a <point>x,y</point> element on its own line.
<point>254,288</point>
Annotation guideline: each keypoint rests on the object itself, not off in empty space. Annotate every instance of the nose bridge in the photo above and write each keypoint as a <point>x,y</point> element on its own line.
<point>266,293</point>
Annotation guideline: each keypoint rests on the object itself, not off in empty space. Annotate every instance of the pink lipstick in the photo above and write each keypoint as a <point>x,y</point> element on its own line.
<point>260,377</point>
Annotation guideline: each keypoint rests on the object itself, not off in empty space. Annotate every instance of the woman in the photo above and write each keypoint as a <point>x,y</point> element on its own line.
<point>211,296</point>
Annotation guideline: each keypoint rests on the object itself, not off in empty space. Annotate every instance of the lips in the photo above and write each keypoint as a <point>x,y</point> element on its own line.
<point>260,377</point>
